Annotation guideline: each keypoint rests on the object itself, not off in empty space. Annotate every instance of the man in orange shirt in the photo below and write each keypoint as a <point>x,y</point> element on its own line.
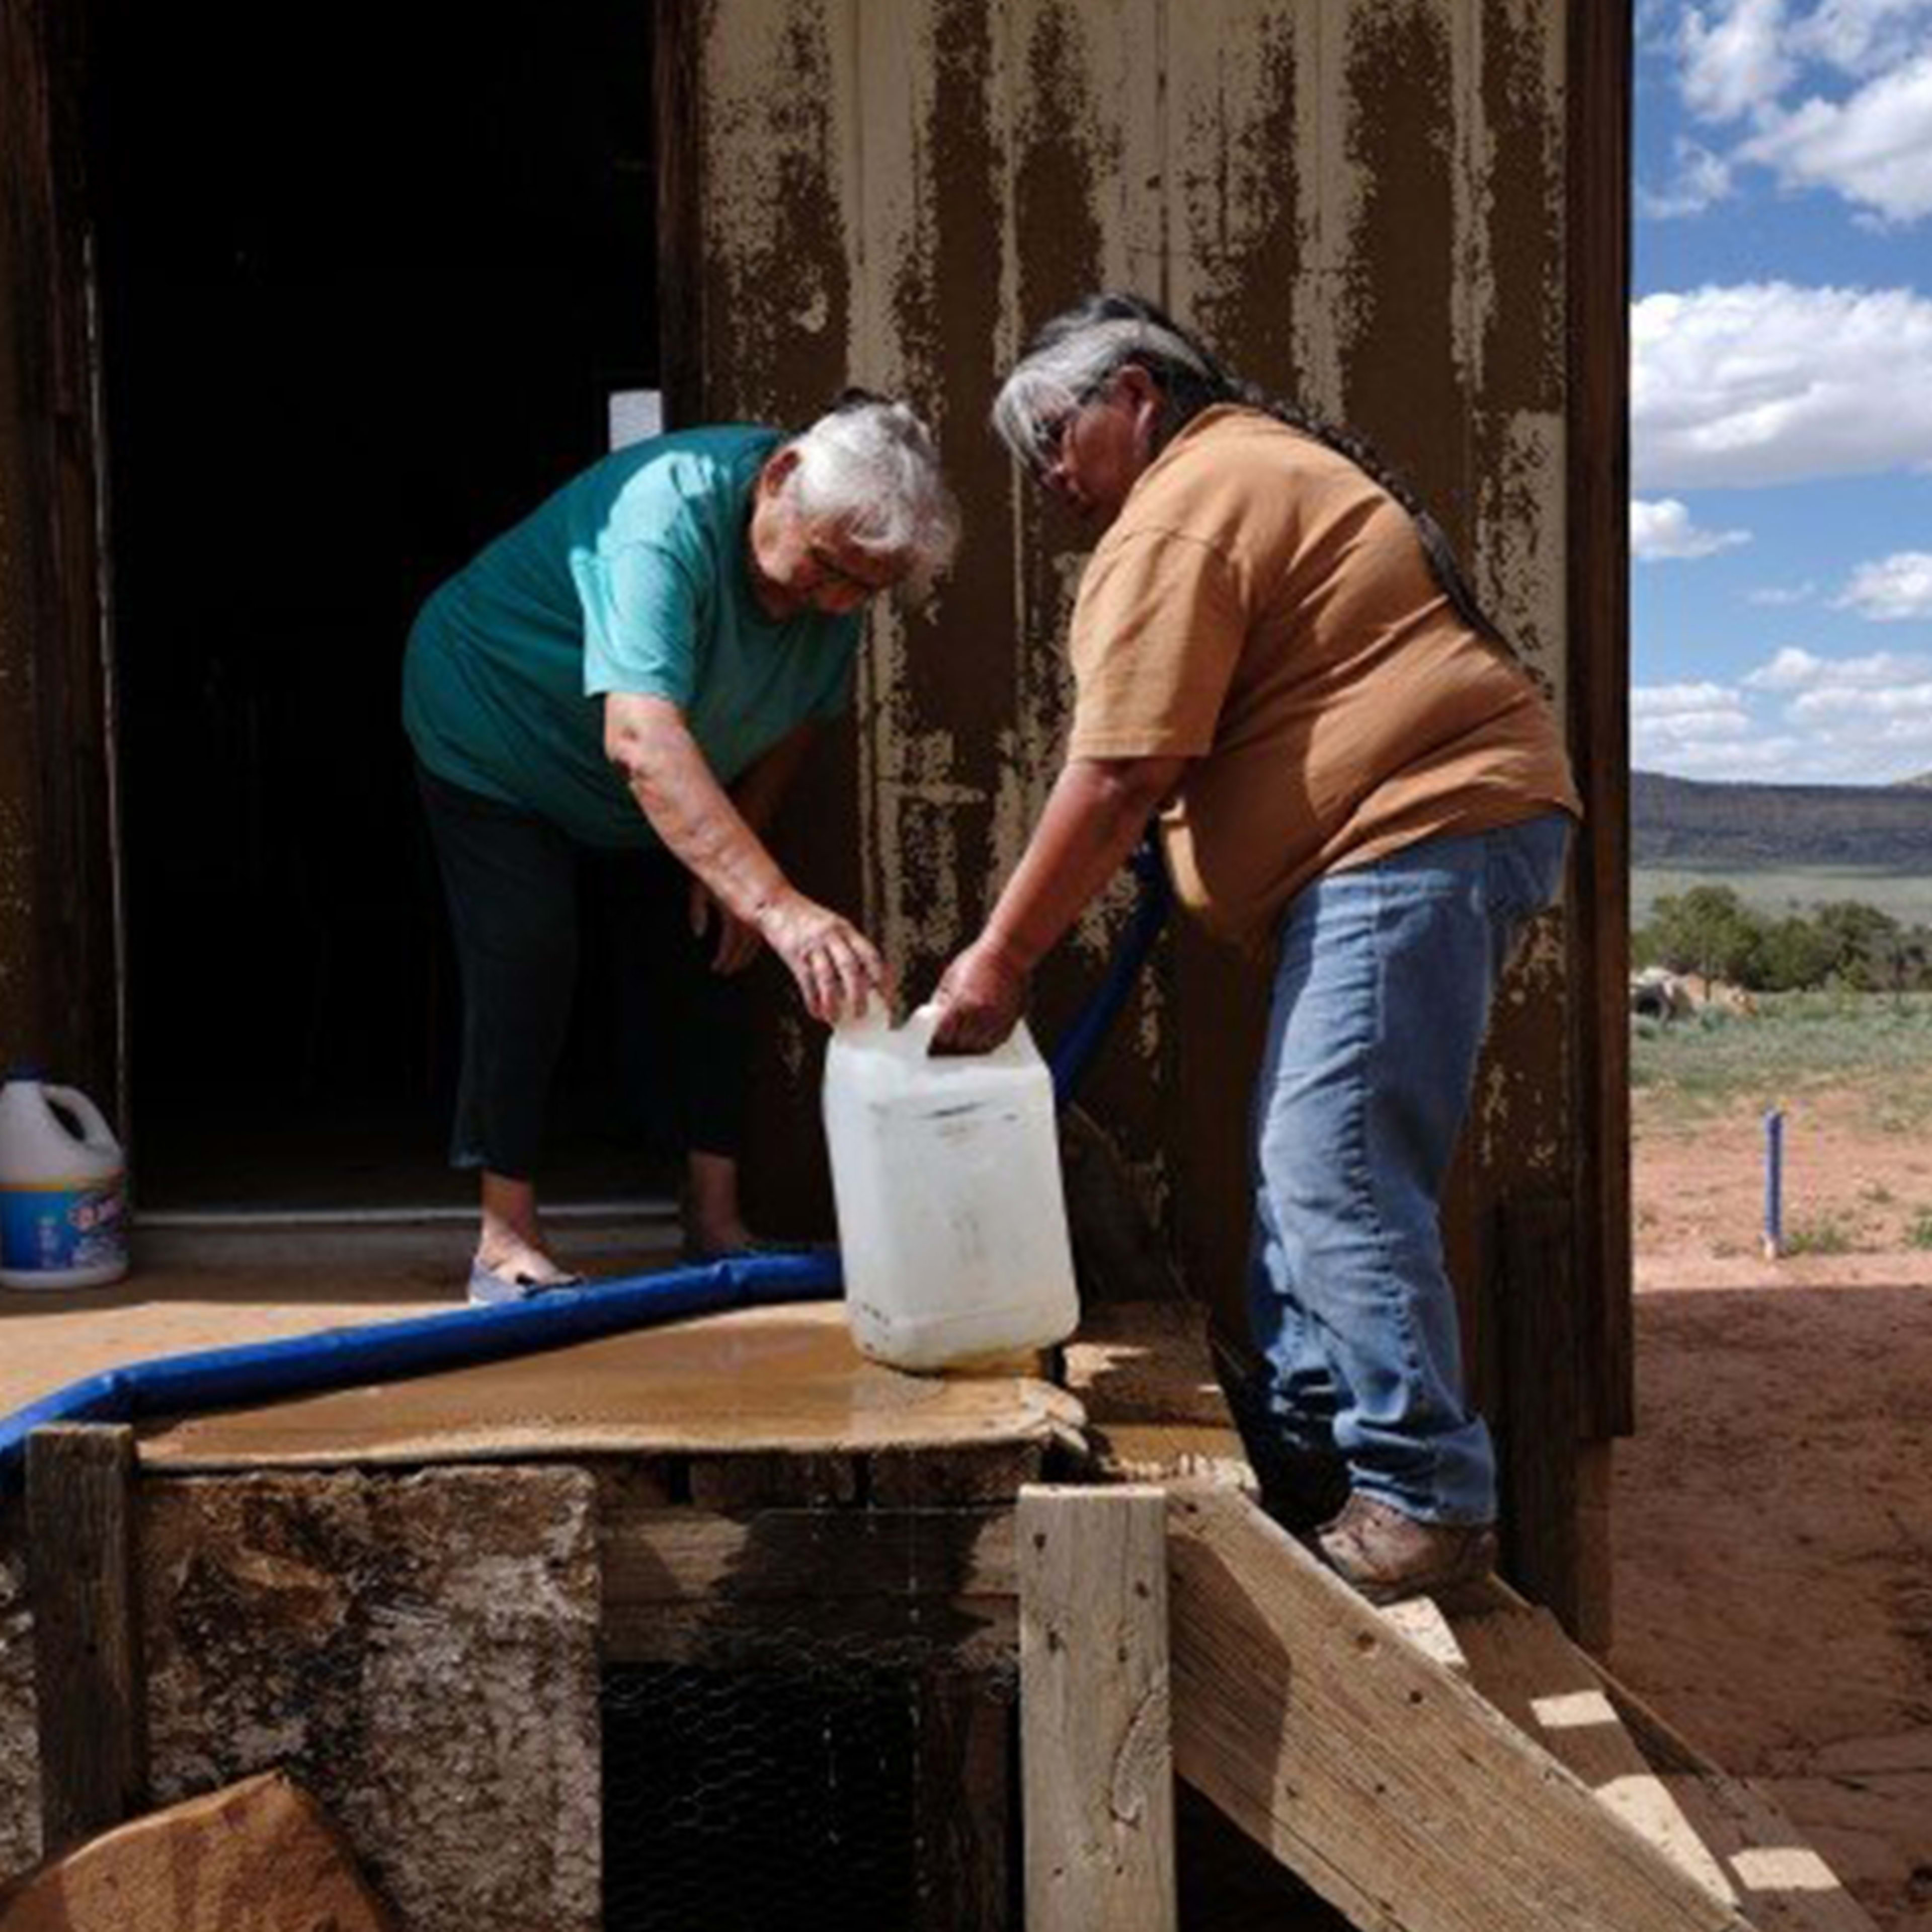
<point>1278,654</point>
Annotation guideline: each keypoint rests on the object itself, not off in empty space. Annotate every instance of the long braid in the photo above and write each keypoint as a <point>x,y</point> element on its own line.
<point>1107,332</point>
<point>1444,563</point>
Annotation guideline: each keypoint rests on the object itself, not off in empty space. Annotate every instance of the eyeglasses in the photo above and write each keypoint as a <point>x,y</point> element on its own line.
<point>1052,433</point>
<point>831,570</point>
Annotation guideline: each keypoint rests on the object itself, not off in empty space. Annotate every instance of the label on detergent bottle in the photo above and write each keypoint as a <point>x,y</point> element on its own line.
<point>49,1230</point>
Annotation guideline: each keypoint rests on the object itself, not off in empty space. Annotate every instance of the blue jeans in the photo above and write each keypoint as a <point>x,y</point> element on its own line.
<point>1381,995</point>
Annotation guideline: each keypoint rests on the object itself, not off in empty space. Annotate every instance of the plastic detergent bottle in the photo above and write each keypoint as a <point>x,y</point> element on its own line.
<point>63,1189</point>
<point>946,1173</point>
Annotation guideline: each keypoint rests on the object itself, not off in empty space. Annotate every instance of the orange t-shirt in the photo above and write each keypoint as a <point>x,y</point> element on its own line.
<point>1262,608</point>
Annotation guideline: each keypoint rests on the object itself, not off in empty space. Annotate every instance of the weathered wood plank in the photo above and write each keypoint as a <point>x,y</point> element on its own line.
<point>767,1478</point>
<point>1597,487</point>
<point>675,105</point>
<point>1541,1417</point>
<point>949,1478</point>
<point>88,1685</point>
<point>962,1804</point>
<point>257,1854</point>
<point>1393,1788</point>
<point>1420,1620</point>
<point>1144,1373</point>
<point>961,1637</point>
<point>1096,1757</point>
<point>664,1556</point>
<point>1784,1884</point>
<point>1522,1662</point>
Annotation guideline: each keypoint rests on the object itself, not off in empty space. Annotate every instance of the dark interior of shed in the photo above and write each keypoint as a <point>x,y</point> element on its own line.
<point>367,280</point>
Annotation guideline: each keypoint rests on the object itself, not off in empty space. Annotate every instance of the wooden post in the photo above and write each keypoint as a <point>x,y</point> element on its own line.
<point>1096,1757</point>
<point>962,1801</point>
<point>1542,1415</point>
<point>88,1680</point>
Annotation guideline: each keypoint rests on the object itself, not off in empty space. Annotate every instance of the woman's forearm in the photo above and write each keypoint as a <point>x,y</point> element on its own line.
<point>647,740</point>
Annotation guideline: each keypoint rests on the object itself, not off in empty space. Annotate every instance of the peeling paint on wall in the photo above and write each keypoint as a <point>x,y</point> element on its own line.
<point>1361,202</point>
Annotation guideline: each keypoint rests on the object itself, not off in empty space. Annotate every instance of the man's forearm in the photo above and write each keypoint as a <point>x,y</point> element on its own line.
<point>1095,815</point>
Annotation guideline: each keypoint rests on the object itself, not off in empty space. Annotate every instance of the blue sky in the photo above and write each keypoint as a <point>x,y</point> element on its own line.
<point>1781,391</point>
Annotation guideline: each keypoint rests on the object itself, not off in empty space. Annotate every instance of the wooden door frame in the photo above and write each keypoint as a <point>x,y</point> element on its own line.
<point>1597,289</point>
<point>60,950</point>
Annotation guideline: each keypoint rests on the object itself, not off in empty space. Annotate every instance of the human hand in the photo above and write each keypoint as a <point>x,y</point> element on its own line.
<point>738,940</point>
<point>836,965</point>
<point>980,997</point>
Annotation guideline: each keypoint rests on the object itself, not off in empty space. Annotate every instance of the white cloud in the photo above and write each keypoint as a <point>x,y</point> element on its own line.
<point>1861,37</point>
<point>1792,669</point>
<point>1874,702</point>
<point>1875,148</point>
<point>1770,761</point>
<point>1769,382</point>
<point>1789,670</point>
<point>1702,178</point>
<point>1735,58</point>
<point>1664,529</point>
<point>1837,96</point>
<point>1682,700</point>
<point>1798,718</point>
<point>1894,587</point>
<point>1778,596</point>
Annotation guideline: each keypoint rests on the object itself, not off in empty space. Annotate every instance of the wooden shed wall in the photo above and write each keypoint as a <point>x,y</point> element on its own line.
<point>1365,204</point>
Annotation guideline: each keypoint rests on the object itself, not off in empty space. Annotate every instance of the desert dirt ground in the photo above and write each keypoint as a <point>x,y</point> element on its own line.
<point>1773,1518</point>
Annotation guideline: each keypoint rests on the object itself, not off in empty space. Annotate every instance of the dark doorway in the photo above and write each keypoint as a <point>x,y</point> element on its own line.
<point>366,283</point>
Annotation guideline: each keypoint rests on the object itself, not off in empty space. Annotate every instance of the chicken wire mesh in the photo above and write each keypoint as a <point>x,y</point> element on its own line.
<point>789,1767</point>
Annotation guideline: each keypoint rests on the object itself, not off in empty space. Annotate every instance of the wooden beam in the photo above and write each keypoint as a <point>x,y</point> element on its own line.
<point>654,1555</point>
<point>1144,1373</point>
<point>1597,96</point>
<point>1522,1662</point>
<point>962,1803</point>
<point>88,1684</point>
<point>1096,1759</point>
<point>1393,1788</point>
<point>680,239</point>
<point>1535,1301</point>
<point>1786,1886</point>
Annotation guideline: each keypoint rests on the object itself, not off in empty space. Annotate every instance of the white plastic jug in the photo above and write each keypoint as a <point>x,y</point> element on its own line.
<point>946,1173</point>
<point>63,1189</point>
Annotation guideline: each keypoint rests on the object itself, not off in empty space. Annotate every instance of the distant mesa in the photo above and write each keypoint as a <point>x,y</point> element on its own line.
<point>1688,822</point>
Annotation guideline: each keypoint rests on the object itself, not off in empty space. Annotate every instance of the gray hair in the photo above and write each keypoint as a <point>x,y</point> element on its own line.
<point>1074,358</point>
<point>1078,353</point>
<point>870,465</point>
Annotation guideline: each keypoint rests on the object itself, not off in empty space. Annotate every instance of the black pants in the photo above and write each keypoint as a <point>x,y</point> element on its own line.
<point>516,887</point>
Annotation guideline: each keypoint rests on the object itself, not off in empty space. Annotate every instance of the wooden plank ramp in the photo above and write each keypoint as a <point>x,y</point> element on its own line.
<point>1458,1766</point>
<point>1393,1788</point>
<point>1727,1831</point>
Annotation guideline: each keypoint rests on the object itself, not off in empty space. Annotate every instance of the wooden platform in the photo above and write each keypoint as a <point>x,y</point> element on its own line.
<point>1436,1769</point>
<point>780,1382</point>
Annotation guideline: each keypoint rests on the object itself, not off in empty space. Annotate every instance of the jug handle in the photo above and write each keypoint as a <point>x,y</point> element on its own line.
<point>94,1131</point>
<point>921,1025</point>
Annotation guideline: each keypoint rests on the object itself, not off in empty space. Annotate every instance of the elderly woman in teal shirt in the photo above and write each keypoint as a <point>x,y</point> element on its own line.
<point>638,668</point>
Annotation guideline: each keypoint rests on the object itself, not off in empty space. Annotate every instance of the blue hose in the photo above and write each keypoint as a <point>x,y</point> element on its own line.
<point>1091,1025</point>
<point>387,1351</point>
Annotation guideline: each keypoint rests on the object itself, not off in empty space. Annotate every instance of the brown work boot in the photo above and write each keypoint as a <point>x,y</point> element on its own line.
<point>1388,1556</point>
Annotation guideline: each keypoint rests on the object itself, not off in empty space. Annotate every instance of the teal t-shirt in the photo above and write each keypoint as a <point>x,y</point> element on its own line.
<point>634,577</point>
